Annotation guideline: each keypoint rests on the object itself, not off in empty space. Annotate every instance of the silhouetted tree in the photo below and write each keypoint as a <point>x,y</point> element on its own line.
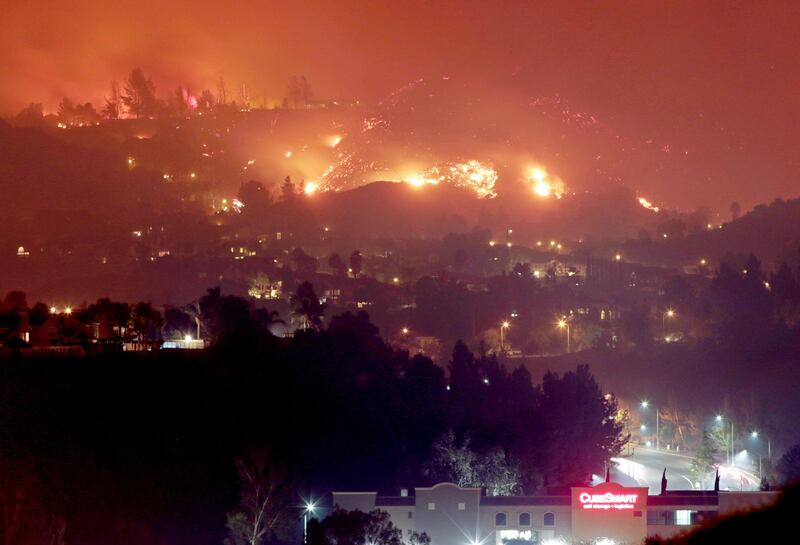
<point>307,307</point>
<point>255,196</point>
<point>15,300</point>
<point>458,463</point>
<point>265,499</point>
<point>178,324</point>
<point>38,314</point>
<point>226,318</point>
<point>287,190</point>
<point>206,101</point>
<point>113,103</point>
<point>30,116</point>
<point>356,262</point>
<point>139,96</point>
<point>146,321</point>
<point>578,430</point>
<point>784,285</point>
<point>66,110</point>
<point>789,466</point>
<point>358,528</point>
<point>337,265</point>
<point>704,458</point>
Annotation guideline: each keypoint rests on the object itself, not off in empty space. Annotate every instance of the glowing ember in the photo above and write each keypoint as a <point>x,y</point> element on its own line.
<point>310,187</point>
<point>334,141</point>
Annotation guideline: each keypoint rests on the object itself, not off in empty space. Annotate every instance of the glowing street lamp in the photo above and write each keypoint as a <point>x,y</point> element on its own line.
<point>754,435</point>
<point>67,310</point>
<point>730,453</point>
<point>669,313</point>
<point>503,326</point>
<point>564,324</point>
<point>645,404</point>
<point>53,310</point>
<point>308,508</point>
<point>404,331</point>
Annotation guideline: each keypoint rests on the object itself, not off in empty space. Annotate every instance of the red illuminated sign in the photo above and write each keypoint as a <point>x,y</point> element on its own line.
<point>609,497</point>
<point>606,501</point>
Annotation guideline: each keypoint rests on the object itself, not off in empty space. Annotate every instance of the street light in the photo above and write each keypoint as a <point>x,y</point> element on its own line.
<point>730,453</point>
<point>564,323</point>
<point>669,313</point>
<point>754,435</point>
<point>503,326</point>
<point>309,508</point>
<point>645,405</point>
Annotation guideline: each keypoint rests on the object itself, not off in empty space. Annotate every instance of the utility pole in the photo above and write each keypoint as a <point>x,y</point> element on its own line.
<point>658,436</point>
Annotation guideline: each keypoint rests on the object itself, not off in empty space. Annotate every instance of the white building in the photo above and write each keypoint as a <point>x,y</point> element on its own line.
<point>452,515</point>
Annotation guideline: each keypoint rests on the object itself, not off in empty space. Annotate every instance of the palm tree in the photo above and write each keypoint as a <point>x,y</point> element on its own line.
<point>307,307</point>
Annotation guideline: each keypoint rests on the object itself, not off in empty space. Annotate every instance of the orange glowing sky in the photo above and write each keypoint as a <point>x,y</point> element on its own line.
<point>716,78</point>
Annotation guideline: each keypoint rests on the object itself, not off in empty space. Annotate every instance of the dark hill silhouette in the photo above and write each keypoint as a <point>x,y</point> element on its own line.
<point>772,232</point>
<point>40,172</point>
<point>386,209</point>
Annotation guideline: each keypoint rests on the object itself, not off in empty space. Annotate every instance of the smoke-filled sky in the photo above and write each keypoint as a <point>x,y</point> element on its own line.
<point>718,80</point>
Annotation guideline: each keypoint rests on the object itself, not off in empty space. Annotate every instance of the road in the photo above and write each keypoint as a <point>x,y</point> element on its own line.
<point>645,466</point>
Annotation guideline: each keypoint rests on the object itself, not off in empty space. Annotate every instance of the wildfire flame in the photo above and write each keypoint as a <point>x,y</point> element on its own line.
<point>647,204</point>
<point>473,175</point>
<point>543,184</point>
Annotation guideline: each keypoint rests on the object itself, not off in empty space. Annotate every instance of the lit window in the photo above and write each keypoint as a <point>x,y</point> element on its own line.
<point>683,517</point>
<point>431,506</point>
<point>462,506</point>
<point>500,519</point>
<point>524,519</point>
<point>549,519</point>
